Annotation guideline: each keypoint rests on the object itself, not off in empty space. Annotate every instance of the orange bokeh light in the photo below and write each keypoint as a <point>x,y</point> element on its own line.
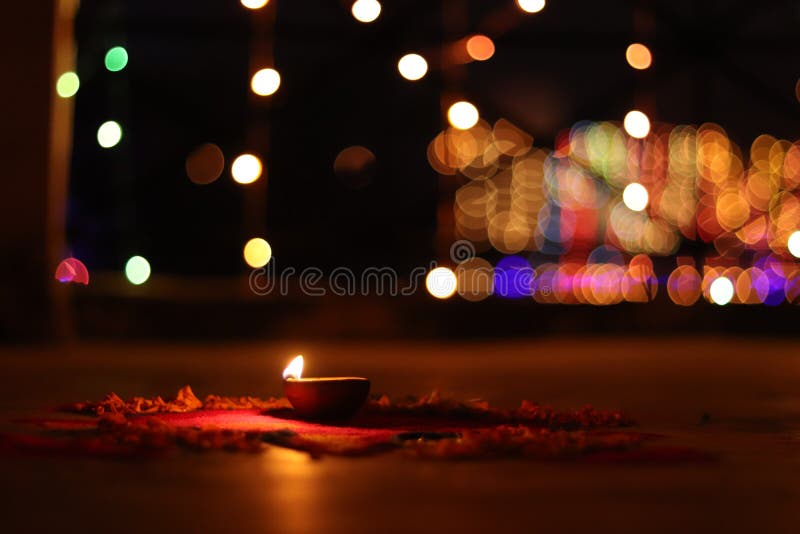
<point>480,47</point>
<point>684,285</point>
<point>639,56</point>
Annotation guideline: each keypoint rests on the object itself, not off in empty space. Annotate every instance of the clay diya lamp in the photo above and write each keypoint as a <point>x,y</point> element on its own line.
<point>324,398</point>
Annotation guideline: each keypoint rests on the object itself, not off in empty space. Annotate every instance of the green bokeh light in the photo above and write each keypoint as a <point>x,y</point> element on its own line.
<point>137,270</point>
<point>67,84</point>
<point>116,59</point>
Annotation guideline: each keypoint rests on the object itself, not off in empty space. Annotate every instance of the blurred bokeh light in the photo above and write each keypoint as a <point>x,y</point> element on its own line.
<point>463,115</point>
<point>205,164</point>
<point>514,277</point>
<point>72,270</point>
<point>257,252</point>
<point>246,169</point>
<point>355,166</point>
<point>531,6</point>
<point>480,47</point>
<point>637,124</point>
<point>441,282</point>
<point>794,244</point>
<point>254,4</point>
<point>721,291</point>
<point>412,67</point>
<point>366,10</point>
<point>475,279</point>
<point>137,270</point>
<point>116,59</point>
<point>635,196</point>
<point>109,134</point>
<point>638,56</point>
<point>265,82</point>
<point>67,84</point>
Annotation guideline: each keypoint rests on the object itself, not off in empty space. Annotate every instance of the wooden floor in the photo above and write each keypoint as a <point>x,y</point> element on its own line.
<point>749,390</point>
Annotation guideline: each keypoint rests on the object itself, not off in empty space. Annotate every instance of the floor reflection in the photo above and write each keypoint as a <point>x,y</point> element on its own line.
<point>292,482</point>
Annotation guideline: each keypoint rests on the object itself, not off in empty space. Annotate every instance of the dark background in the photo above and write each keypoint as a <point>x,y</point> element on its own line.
<point>187,82</point>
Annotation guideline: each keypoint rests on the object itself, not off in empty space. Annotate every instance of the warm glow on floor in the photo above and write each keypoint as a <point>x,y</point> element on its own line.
<point>412,67</point>
<point>441,282</point>
<point>638,56</point>
<point>265,82</point>
<point>246,169</point>
<point>257,253</point>
<point>463,115</point>
<point>635,196</point>
<point>366,10</point>
<point>531,6</point>
<point>637,124</point>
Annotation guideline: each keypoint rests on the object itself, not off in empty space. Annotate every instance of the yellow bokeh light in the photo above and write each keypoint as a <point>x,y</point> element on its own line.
<point>137,270</point>
<point>254,4</point>
<point>366,10</point>
<point>109,134</point>
<point>635,196</point>
<point>246,169</point>
<point>794,244</point>
<point>463,115</point>
<point>721,291</point>
<point>637,124</point>
<point>441,282</point>
<point>480,47</point>
<point>531,6</point>
<point>265,82</point>
<point>639,56</point>
<point>67,84</point>
<point>412,67</point>
<point>257,253</point>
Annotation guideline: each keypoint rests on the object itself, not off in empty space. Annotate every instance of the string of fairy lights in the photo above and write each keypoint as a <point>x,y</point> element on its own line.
<point>634,282</point>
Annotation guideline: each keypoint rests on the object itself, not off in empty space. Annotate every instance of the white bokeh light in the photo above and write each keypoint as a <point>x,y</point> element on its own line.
<point>637,124</point>
<point>441,282</point>
<point>412,67</point>
<point>246,169</point>
<point>265,82</point>
<point>109,134</point>
<point>254,4</point>
<point>366,10</point>
<point>721,291</point>
<point>635,196</point>
<point>794,244</point>
<point>463,115</point>
<point>137,270</point>
<point>531,6</point>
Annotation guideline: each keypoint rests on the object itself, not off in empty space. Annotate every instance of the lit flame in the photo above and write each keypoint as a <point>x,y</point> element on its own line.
<point>294,369</point>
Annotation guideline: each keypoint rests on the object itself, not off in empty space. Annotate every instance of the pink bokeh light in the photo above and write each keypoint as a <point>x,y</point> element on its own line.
<point>72,270</point>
